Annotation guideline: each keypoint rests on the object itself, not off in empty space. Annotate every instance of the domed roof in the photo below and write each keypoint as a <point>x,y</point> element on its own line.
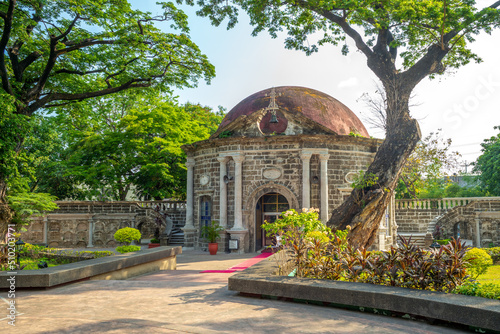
<point>313,104</point>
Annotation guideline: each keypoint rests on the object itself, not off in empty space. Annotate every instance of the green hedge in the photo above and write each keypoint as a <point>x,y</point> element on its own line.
<point>477,289</point>
<point>494,252</point>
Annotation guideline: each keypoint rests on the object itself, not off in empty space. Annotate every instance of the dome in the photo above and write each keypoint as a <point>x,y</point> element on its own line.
<point>313,104</point>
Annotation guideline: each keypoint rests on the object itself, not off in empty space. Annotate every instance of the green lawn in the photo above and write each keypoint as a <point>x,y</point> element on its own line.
<point>491,276</point>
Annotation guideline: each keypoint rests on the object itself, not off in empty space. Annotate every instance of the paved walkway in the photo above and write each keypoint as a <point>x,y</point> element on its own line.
<point>185,301</point>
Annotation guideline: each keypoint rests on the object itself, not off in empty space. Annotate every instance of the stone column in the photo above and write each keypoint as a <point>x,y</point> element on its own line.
<point>190,194</point>
<point>306,183</point>
<point>238,191</point>
<point>46,230</point>
<point>91,233</point>
<point>222,192</point>
<point>324,187</point>
<point>478,231</point>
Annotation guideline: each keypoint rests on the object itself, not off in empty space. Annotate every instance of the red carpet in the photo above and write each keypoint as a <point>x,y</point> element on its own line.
<point>243,265</point>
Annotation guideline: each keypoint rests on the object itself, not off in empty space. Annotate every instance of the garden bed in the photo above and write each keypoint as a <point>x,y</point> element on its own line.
<point>261,281</point>
<point>121,266</point>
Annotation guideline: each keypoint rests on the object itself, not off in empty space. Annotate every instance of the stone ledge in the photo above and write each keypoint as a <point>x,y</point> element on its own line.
<point>259,280</point>
<point>121,266</point>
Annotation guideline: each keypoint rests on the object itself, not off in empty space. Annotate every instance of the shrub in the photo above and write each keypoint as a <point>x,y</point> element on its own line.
<point>211,232</point>
<point>478,262</point>
<point>317,252</point>
<point>127,234</point>
<point>489,290</point>
<point>494,252</point>
<point>128,249</point>
<point>443,242</point>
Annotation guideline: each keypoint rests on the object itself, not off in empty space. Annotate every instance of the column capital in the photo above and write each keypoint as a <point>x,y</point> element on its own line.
<point>305,156</point>
<point>239,158</point>
<point>324,156</point>
<point>190,162</point>
<point>222,159</point>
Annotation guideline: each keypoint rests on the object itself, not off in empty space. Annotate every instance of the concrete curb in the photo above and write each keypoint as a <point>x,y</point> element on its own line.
<point>260,281</point>
<point>120,266</point>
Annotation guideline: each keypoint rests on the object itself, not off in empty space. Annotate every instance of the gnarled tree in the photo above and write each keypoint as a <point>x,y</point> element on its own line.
<point>60,51</point>
<point>403,41</point>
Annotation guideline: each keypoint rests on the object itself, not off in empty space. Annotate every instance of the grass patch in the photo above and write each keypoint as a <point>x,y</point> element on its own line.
<point>491,276</point>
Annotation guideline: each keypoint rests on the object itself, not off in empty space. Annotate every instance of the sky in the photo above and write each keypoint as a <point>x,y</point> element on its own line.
<point>465,104</point>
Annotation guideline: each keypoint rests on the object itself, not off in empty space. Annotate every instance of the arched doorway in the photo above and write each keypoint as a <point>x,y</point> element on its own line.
<point>269,207</point>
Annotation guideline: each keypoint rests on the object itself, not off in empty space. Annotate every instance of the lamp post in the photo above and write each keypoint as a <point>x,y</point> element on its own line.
<point>19,247</point>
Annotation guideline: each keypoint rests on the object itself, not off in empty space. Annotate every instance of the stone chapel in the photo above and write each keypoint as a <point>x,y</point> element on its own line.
<point>278,149</point>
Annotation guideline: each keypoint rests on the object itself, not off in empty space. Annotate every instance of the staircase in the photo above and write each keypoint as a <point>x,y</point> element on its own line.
<point>177,235</point>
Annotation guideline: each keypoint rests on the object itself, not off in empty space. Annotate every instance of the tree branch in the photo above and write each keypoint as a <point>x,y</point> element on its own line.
<point>7,28</point>
<point>44,102</point>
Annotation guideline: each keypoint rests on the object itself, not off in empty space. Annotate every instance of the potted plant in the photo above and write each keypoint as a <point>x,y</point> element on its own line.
<point>154,243</point>
<point>211,234</point>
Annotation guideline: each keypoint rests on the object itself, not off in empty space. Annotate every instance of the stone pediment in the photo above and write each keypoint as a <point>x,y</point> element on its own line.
<point>255,125</point>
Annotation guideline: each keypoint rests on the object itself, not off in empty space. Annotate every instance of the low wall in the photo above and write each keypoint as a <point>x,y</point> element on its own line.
<point>260,281</point>
<point>105,268</point>
<point>93,224</point>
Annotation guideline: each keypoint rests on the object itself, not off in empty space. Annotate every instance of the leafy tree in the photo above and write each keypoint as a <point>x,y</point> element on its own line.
<point>57,52</point>
<point>427,168</point>
<point>488,164</point>
<point>403,41</point>
<point>132,142</point>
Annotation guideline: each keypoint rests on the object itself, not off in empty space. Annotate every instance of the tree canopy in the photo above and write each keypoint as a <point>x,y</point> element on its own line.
<point>120,144</point>
<point>488,164</point>
<point>54,53</point>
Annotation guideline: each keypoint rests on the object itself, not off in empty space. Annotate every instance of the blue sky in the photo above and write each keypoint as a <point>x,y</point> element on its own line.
<point>465,105</point>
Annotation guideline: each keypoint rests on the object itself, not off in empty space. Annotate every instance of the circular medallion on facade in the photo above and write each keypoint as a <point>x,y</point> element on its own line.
<point>269,126</point>
<point>204,179</point>
<point>350,177</point>
<point>271,173</point>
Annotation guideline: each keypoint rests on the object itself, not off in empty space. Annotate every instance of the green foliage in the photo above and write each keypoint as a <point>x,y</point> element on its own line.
<point>154,241</point>
<point>58,52</point>
<point>128,249</point>
<point>225,134</point>
<point>315,252</point>
<point>424,174</point>
<point>443,242</point>
<point>415,26</point>
<point>494,252</point>
<point>131,141</point>
<point>127,234</point>
<point>478,262</point>
<point>488,164</point>
<point>364,180</point>
<point>354,134</point>
<point>25,204</point>
<point>477,289</point>
<point>211,232</point>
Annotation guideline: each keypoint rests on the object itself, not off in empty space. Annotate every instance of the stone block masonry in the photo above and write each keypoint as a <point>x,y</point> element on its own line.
<point>93,224</point>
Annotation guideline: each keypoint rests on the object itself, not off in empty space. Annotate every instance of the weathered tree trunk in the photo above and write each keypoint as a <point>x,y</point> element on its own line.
<point>364,208</point>
<point>5,211</point>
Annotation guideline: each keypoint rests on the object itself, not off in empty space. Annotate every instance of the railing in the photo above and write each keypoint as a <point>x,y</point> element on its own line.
<point>164,205</point>
<point>439,203</point>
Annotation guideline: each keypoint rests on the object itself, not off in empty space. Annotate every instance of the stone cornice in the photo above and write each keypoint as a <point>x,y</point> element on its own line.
<point>373,143</point>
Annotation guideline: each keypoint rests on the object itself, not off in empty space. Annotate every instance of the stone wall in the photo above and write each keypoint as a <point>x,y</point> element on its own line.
<point>93,224</point>
<point>453,217</point>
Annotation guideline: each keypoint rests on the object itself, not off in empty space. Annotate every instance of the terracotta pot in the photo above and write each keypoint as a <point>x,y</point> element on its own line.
<point>212,248</point>
<point>153,245</point>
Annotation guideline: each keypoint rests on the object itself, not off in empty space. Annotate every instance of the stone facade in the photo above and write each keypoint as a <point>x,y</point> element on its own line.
<point>272,165</point>
<point>93,224</point>
<point>281,148</point>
